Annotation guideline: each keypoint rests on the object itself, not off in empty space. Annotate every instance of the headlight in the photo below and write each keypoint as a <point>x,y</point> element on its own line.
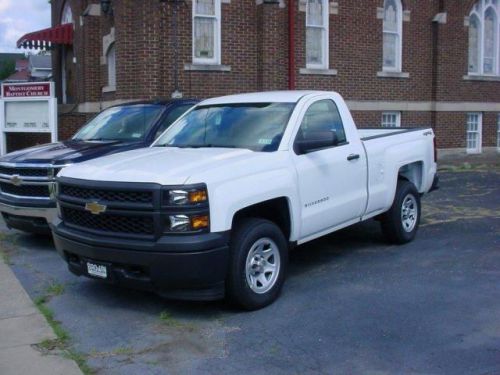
<point>189,196</point>
<point>187,223</point>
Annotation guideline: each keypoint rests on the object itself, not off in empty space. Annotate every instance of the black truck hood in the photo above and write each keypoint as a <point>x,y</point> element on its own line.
<point>68,152</point>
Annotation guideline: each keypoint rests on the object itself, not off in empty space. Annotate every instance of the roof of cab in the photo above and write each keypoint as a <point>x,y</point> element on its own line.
<point>261,97</point>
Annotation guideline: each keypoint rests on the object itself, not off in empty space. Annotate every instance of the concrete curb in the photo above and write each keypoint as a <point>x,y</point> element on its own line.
<point>22,326</point>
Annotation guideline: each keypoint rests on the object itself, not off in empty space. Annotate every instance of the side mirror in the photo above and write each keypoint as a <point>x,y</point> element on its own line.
<point>316,141</point>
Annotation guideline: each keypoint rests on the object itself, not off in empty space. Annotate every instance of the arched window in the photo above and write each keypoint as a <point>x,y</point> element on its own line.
<point>67,14</point>
<point>393,35</point>
<point>111,62</point>
<point>484,29</point>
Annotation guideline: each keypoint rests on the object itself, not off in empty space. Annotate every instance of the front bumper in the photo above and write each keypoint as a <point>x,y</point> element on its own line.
<point>182,267</point>
<point>30,217</point>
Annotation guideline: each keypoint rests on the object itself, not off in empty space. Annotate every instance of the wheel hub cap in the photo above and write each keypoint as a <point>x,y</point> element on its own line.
<point>262,265</point>
<point>409,213</point>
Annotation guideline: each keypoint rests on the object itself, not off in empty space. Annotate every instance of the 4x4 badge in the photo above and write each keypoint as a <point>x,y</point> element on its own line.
<point>16,180</point>
<point>95,208</point>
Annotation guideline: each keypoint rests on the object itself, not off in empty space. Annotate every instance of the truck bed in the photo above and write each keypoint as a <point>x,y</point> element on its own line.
<point>377,132</point>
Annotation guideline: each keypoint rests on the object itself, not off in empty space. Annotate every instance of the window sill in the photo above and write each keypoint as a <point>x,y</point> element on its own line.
<point>109,89</point>
<point>481,78</point>
<point>323,72</point>
<point>207,67</point>
<point>384,74</point>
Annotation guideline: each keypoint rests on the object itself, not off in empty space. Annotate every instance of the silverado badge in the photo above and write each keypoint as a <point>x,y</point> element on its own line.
<point>16,180</point>
<point>95,208</point>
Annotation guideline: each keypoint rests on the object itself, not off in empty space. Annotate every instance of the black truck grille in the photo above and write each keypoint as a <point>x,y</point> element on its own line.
<point>121,196</point>
<point>25,172</point>
<point>25,190</point>
<point>141,225</point>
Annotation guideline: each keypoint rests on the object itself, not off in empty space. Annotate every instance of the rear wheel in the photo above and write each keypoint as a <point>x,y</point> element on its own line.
<point>400,223</point>
<point>258,262</point>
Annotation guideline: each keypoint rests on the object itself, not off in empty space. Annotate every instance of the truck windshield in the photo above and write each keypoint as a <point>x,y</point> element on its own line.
<point>122,123</point>
<point>255,126</point>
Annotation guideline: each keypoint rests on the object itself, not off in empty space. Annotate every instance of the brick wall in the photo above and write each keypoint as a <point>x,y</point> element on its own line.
<point>255,46</point>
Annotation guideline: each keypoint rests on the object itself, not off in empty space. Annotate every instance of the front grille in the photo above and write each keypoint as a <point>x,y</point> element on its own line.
<point>109,223</point>
<point>25,172</point>
<point>121,196</point>
<point>25,190</point>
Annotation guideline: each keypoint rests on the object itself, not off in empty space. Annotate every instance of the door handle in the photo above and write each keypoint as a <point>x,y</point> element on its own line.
<point>353,157</point>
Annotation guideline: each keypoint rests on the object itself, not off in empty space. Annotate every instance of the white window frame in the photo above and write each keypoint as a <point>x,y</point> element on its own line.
<point>386,123</point>
<point>498,132</point>
<point>216,60</point>
<point>111,66</point>
<point>478,148</point>
<point>399,33</point>
<point>479,10</point>
<point>325,42</point>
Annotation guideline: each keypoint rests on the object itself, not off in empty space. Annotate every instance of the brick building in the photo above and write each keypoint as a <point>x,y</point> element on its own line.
<point>397,62</point>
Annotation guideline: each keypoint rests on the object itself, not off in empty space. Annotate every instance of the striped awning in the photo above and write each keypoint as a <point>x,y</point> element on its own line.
<point>44,39</point>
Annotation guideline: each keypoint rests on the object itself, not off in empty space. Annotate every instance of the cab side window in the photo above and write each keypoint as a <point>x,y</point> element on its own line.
<point>320,120</point>
<point>169,119</point>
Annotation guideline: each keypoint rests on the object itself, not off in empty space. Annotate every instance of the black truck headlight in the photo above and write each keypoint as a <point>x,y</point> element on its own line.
<point>189,196</point>
<point>187,223</point>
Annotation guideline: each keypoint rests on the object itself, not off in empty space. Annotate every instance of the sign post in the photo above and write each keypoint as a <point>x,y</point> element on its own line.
<point>27,108</point>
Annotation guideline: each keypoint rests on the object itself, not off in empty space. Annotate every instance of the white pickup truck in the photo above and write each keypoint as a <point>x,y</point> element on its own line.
<point>213,207</point>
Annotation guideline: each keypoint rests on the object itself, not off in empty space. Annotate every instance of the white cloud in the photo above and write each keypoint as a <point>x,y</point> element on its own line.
<point>17,19</point>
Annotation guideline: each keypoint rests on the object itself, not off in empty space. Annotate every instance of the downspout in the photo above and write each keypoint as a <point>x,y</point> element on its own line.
<point>291,44</point>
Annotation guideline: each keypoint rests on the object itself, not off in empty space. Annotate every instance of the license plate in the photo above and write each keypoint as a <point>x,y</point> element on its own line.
<point>97,270</point>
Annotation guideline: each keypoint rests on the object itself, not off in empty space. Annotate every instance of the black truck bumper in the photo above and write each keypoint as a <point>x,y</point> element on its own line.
<point>192,267</point>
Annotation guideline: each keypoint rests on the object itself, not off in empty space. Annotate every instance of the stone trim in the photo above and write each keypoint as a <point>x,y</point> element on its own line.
<point>207,67</point>
<point>387,74</point>
<point>406,16</point>
<point>354,105</point>
<point>109,89</point>
<point>325,72</point>
<point>441,18</point>
<point>92,10</point>
<point>472,77</point>
<point>333,6</point>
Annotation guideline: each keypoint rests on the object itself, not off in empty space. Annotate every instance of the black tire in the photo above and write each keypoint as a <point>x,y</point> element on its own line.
<point>393,226</point>
<point>248,233</point>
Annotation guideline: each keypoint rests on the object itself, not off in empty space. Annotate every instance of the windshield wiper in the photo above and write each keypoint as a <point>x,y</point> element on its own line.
<point>100,139</point>
<point>208,145</point>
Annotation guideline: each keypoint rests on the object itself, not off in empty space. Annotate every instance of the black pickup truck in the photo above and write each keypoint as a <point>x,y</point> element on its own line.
<point>27,176</point>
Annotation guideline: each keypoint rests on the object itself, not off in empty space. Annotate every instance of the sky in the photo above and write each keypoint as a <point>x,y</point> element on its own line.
<point>18,17</point>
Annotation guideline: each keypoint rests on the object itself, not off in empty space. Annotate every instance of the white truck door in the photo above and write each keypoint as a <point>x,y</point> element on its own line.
<point>332,180</point>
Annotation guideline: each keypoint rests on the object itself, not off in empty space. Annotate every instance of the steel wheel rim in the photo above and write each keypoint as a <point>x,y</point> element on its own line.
<point>409,213</point>
<point>262,265</point>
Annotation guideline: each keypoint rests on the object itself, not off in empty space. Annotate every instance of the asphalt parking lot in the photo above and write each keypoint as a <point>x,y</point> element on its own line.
<point>352,304</point>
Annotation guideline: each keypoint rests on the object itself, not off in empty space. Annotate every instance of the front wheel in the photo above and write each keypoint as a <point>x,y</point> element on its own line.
<point>258,262</point>
<point>400,223</point>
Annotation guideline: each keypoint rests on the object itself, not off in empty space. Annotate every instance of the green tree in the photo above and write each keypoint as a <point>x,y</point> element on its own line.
<point>7,68</point>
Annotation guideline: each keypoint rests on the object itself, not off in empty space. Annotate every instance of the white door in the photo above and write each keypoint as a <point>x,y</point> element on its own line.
<point>474,132</point>
<point>332,181</point>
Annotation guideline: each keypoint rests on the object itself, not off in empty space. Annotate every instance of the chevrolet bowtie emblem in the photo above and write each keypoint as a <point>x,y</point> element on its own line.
<point>16,180</point>
<point>95,208</point>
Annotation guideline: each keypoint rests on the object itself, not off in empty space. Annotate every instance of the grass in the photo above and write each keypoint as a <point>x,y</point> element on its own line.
<point>168,320</point>
<point>55,289</point>
<point>61,342</point>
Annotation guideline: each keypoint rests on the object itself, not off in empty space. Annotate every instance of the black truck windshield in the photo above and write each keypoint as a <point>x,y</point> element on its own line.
<point>122,123</point>
<point>255,126</point>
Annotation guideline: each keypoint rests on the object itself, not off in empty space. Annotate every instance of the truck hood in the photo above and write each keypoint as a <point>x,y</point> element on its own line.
<point>165,166</point>
<point>67,152</point>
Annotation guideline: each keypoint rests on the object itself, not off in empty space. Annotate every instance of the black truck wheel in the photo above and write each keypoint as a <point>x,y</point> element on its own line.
<point>400,223</point>
<point>258,263</point>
